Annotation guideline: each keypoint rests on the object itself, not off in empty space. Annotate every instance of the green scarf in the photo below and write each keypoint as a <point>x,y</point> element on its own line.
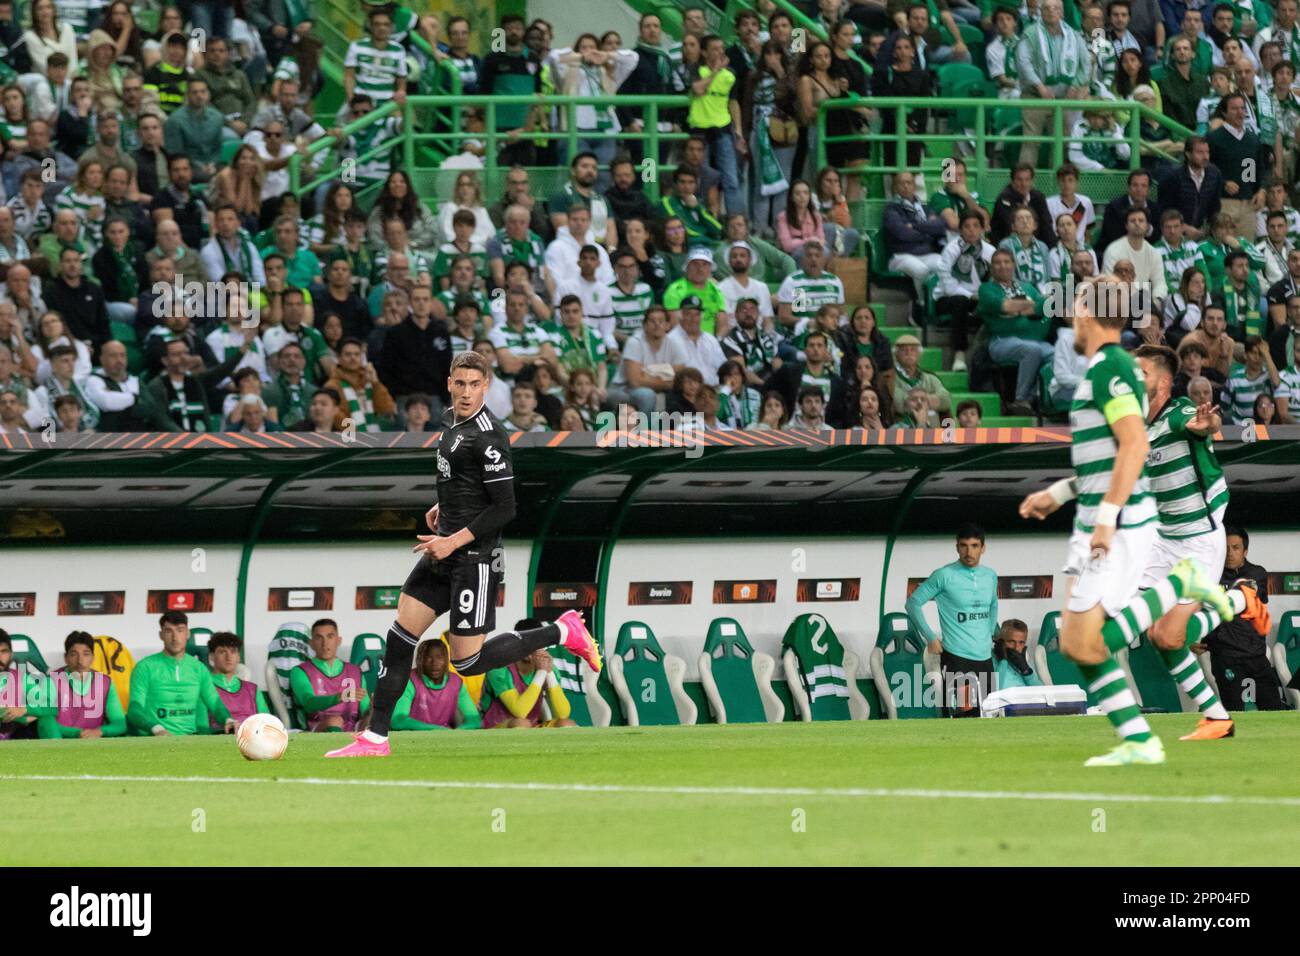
<point>1030,264</point>
<point>361,408</point>
<point>127,278</point>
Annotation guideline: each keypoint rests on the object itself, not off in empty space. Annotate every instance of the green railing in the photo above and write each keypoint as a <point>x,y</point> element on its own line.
<point>978,112</point>
<point>411,137</point>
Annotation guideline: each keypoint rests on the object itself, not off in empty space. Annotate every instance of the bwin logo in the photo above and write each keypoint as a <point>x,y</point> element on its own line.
<point>103,909</point>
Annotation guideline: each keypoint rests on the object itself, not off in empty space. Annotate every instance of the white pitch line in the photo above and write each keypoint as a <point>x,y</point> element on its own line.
<point>1207,799</point>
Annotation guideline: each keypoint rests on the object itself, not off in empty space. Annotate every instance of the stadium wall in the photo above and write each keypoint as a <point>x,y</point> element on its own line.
<point>63,580</point>
<point>102,532</point>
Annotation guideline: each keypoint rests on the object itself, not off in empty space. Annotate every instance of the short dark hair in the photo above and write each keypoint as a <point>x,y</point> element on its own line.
<point>570,300</point>
<point>225,639</point>
<point>78,637</point>
<point>1134,174</point>
<point>1161,355</point>
<point>970,403</point>
<point>331,393</point>
<point>1191,347</point>
<point>810,391</point>
<point>970,530</point>
<point>324,622</point>
<point>173,617</point>
<point>1240,532</point>
<point>585,154</point>
<point>417,398</point>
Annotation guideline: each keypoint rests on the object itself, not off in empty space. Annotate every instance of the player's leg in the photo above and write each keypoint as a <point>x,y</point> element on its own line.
<point>1103,616</point>
<point>1169,632</point>
<point>473,615</point>
<point>426,590</point>
<point>1169,635</point>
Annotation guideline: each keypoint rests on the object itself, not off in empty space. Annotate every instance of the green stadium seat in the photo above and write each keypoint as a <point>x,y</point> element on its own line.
<point>1156,690</point>
<point>1051,664</point>
<point>229,148</point>
<point>894,332</point>
<point>367,652</point>
<point>27,656</point>
<point>649,683</point>
<point>737,680</point>
<point>821,689</point>
<point>989,402</point>
<point>197,645</point>
<point>931,357</point>
<point>899,666</point>
<point>1286,654</point>
<point>587,708</point>
<point>953,381</point>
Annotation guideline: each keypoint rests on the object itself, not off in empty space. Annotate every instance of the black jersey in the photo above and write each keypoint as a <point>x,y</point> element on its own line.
<point>475,478</point>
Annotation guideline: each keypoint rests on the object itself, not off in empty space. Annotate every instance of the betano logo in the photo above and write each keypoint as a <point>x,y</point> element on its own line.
<point>74,909</point>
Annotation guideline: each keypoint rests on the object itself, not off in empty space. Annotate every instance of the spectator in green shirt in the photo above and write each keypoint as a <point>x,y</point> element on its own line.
<point>304,268</point>
<point>698,282</point>
<point>1013,313</point>
<point>683,204</point>
<point>195,131</point>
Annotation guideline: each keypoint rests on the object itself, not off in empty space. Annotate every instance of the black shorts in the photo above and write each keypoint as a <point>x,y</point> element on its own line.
<point>465,584</point>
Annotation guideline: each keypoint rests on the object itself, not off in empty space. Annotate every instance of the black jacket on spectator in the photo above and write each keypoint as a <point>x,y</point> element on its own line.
<point>1004,207</point>
<point>146,173</point>
<point>907,233</point>
<point>1238,638</point>
<point>141,223</point>
<point>189,212</point>
<point>156,345</point>
<point>786,380</point>
<point>1198,206</point>
<point>110,281</point>
<point>1112,223</point>
<point>352,312</point>
<point>13,50</point>
<point>82,308</point>
<point>1279,340</point>
<point>1213,375</point>
<point>625,204</point>
<point>651,77</point>
<point>73,133</point>
<point>416,360</point>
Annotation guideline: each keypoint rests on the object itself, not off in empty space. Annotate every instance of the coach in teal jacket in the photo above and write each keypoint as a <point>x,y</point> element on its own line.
<point>967,596</point>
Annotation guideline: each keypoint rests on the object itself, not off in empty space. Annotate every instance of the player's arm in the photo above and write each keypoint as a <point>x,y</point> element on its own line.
<point>300,687</point>
<point>1127,425</point>
<point>470,718</point>
<point>915,606</point>
<point>560,708</point>
<point>262,706</point>
<point>139,715</point>
<point>212,700</point>
<point>521,705</point>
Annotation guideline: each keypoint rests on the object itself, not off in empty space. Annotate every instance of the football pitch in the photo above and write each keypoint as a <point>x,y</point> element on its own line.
<point>919,792</point>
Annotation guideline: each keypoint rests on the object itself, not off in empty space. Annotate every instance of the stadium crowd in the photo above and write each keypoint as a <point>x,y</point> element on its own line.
<point>140,165</point>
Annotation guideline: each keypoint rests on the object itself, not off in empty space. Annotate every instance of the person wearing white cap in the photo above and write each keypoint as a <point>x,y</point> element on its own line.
<point>698,282</point>
<point>740,285</point>
<point>769,262</point>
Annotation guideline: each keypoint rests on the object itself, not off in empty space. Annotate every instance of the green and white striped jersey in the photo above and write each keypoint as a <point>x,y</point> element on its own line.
<point>629,308</point>
<point>372,168</point>
<point>806,294</point>
<point>1186,480</point>
<point>92,228</point>
<point>1288,389</point>
<point>377,68</point>
<point>526,342</point>
<point>1112,388</point>
<point>1177,261</point>
<point>1241,390</point>
<point>79,14</point>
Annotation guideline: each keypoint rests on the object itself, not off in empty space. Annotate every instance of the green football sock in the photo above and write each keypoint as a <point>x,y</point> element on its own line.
<point>1123,629</point>
<point>1188,675</point>
<point>1107,686</point>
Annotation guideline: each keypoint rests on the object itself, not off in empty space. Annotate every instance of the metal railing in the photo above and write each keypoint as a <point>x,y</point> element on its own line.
<point>980,110</point>
<point>493,139</point>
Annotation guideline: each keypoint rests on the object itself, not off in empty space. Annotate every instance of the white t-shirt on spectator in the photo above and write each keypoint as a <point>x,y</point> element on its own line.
<point>703,354</point>
<point>733,292</point>
<point>669,352</point>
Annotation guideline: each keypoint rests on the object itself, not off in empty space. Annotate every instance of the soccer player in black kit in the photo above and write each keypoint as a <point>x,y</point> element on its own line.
<point>458,569</point>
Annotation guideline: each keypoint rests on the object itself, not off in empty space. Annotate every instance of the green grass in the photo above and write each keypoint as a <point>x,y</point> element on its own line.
<point>150,822</point>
